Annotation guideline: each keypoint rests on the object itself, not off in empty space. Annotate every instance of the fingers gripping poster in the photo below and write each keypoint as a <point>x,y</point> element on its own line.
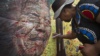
<point>24,27</point>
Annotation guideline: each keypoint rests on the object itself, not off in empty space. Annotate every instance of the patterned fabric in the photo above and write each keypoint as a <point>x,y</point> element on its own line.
<point>24,27</point>
<point>87,29</point>
<point>89,10</point>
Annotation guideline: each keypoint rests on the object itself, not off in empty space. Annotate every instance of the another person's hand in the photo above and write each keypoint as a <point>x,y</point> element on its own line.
<point>88,50</point>
<point>55,35</point>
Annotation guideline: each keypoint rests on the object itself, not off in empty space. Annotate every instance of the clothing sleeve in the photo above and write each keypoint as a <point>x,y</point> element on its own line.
<point>89,9</point>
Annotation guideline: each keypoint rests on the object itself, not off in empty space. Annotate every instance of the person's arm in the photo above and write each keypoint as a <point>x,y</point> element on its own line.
<point>71,35</point>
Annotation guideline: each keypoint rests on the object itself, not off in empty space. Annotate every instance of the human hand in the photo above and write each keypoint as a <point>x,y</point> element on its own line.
<point>88,50</point>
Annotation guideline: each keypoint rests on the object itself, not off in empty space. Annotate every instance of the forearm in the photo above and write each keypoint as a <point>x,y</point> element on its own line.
<point>71,35</point>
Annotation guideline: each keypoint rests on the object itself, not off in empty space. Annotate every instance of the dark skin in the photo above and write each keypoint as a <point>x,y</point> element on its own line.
<point>89,49</point>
